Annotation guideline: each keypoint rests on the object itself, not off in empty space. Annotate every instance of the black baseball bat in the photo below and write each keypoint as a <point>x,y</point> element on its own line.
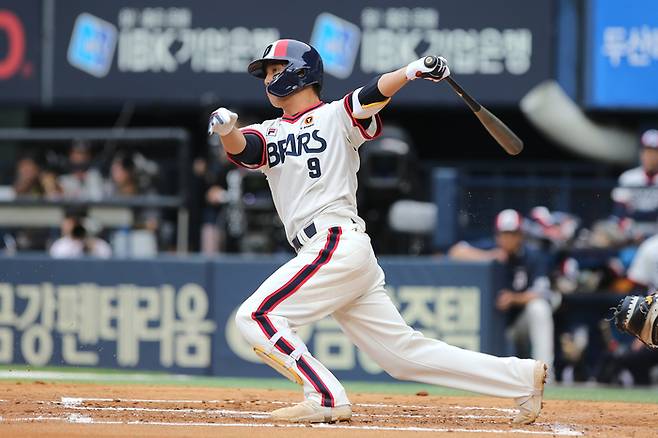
<point>505,137</point>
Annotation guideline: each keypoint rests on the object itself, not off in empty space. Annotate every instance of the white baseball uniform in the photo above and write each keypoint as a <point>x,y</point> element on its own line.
<point>310,161</point>
<point>644,268</point>
<point>637,190</point>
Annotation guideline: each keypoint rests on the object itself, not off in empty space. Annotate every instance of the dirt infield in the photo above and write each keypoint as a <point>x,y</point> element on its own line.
<point>37,409</point>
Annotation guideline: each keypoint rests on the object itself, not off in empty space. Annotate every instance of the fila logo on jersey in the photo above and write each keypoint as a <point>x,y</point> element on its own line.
<point>309,143</point>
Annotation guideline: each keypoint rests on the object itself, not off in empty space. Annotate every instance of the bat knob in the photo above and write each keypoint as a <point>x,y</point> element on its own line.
<point>430,61</point>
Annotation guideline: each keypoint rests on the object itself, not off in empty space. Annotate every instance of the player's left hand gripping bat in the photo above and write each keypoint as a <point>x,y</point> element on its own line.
<point>509,141</point>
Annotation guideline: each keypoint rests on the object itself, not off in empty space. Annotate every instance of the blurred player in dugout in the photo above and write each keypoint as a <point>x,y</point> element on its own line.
<point>526,295</point>
<point>636,194</point>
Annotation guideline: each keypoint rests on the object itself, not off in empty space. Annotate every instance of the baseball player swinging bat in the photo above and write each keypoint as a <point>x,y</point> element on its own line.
<point>507,139</point>
<point>310,157</point>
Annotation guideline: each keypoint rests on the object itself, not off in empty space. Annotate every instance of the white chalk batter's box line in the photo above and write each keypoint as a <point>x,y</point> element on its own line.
<point>81,419</point>
<point>80,400</point>
<point>250,414</point>
<point>76,403</point>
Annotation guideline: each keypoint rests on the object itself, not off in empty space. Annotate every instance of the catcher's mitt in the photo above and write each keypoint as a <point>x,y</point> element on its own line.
<point>639,316</point>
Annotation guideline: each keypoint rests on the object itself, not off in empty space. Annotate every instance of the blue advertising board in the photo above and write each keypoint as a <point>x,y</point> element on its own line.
<point>152,315</point>
<point>196,51</point>
<point>622,54</point>
<point>178,315</point>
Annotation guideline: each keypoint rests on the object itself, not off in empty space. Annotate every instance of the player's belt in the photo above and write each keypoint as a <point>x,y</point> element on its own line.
<point>309,232</point>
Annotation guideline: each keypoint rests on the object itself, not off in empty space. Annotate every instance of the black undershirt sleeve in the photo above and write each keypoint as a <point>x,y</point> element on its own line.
<point>370,93</point>
<point>253,151</point>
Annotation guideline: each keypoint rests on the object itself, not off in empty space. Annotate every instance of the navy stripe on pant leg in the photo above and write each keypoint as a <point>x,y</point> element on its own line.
<point>285,291</point>
<point>304,274</point>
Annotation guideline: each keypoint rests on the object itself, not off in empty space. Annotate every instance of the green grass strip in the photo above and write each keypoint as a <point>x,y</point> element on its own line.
<point>123,377</point>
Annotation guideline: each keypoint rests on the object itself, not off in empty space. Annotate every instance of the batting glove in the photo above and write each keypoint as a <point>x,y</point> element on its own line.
<point>221,121</point>
<point>433,68</point>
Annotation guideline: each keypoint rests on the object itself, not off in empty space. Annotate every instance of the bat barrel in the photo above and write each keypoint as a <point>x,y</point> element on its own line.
<point>505,137</point>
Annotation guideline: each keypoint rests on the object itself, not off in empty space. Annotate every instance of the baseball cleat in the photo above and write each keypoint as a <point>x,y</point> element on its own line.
<point>310,411</point>
<point>530,406</point>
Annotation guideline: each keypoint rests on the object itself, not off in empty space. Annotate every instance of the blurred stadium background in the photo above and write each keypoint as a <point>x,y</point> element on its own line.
<point>127,240</point>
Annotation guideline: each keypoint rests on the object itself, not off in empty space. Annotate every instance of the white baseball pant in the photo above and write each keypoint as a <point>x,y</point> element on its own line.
<point>535,324</point>
<point>336,273</point>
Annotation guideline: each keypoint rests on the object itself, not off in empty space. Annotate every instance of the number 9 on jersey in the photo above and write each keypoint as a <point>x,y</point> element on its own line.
<point>314,167</point>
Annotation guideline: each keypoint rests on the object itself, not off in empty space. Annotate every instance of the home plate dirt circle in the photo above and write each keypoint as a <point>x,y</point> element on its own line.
<point>85,410</point>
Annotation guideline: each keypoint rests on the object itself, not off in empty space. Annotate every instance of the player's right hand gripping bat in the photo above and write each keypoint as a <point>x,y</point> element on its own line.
<point>509,141</point>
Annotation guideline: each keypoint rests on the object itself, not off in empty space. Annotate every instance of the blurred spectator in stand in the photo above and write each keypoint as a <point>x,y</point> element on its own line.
<point>124,181</point>
<point>31,180</point>
<point>7,244</point>
<point>526,295</point>
<point>76,242</point>
<point>128,179</point>
<point>83,181</point>
<point>212,180</point>
<point>636,195</point>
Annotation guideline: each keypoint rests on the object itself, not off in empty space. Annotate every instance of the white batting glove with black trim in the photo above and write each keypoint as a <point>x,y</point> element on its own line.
<point>221,121</point>
<point>432,68</point>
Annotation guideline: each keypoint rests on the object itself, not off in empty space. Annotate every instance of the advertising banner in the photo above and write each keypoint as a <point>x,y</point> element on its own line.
<point>196,51</point>
<point>622,67</point>
<point>20,51</point>
<point>178,315</point>
<point>152,315</point>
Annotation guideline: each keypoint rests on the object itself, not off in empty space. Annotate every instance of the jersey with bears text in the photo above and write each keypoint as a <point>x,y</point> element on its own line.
<point>311,160</point>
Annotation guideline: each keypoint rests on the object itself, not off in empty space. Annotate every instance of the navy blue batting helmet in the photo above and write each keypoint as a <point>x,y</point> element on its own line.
<point>303,68</point>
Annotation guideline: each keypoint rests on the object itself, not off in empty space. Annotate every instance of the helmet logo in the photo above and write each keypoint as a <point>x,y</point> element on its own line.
<point>267,50</point>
